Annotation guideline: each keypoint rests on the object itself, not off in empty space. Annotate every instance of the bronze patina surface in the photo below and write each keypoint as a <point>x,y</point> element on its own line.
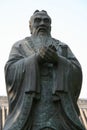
<point>43,81</point>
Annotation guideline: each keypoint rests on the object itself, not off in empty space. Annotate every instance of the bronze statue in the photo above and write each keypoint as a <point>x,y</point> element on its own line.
<point>43,81</point>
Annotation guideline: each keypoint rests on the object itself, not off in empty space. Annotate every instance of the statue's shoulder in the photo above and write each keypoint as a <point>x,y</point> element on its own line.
<point>58,42</point>
<point>22,42</point>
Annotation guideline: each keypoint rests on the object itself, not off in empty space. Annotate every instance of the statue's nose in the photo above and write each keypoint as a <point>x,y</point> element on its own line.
<point>42,22</point>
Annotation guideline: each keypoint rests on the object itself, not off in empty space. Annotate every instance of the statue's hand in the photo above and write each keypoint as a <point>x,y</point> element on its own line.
<point>48,54</point>
<point>51,55</point>
<point>40,55</point>
<point>42,52</point>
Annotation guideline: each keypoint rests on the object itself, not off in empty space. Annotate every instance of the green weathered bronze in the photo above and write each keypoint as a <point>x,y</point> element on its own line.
<point>43,81</point>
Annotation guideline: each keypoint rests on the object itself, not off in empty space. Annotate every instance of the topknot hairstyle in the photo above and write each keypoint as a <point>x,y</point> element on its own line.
<point>37,11</point>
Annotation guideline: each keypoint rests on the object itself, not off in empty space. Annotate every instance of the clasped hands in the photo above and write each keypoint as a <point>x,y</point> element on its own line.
<point>48,54</point>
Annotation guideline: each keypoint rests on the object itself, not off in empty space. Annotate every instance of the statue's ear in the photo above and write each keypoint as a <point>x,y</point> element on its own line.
<point>30,28</point>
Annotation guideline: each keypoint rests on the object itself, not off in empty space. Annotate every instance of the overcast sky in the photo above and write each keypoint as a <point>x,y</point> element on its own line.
<point>69,24</point>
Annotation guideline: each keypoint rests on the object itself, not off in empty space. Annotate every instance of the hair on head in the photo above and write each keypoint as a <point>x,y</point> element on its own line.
<point>37,11</point>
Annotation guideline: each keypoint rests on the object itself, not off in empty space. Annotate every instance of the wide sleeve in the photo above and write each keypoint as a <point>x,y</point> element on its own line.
<point>68,75</point>
<point>71,72</point>
<point>19,71</point>
<point>75,75</point>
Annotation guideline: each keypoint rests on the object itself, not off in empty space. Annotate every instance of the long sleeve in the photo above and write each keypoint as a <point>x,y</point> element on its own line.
<point>67,73</point>
<point>20,74</point>
<point>67,84</point>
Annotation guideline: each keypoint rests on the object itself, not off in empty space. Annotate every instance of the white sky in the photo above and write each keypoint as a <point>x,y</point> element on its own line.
<point>69,24</point>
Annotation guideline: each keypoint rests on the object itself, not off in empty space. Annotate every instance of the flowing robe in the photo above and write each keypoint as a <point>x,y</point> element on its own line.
<point>22,74</point>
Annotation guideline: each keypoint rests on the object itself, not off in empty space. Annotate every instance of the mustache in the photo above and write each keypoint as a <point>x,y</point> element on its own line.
<point>42,27</point>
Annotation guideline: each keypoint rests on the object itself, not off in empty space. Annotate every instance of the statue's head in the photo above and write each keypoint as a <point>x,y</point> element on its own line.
<point>40,23</point>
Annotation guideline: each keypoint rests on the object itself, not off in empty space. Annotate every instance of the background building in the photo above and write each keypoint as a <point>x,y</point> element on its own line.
<point>4,111</point>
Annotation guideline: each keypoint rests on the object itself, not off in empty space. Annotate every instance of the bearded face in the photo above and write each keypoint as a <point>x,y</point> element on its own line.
<point>40,24</point>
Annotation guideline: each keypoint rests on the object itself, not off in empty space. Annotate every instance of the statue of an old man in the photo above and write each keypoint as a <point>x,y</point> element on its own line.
<point>43,81</point>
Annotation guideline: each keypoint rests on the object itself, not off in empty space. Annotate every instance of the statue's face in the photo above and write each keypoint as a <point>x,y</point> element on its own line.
<point>40,24</point>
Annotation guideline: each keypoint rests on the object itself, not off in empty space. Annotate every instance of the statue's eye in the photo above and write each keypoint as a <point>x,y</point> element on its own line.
<point>37,20</point>
<point>46,20</point>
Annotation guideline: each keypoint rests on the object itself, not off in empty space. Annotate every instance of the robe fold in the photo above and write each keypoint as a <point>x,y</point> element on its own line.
<point>22,75</point>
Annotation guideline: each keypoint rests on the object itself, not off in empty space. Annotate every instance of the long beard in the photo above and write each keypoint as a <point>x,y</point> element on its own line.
<point>41,40</point>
